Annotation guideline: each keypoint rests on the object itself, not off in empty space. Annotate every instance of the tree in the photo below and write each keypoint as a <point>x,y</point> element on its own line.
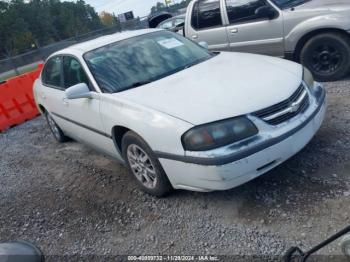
<point>41,22</point>
<point>160,7</point>
<point>107,19</point>
<point>13,30</point>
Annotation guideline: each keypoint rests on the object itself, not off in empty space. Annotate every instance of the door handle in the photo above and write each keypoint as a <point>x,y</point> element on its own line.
<point>194,36</point>
<point>234,30</point>
<point>65,101</point>
<point>42,95</point>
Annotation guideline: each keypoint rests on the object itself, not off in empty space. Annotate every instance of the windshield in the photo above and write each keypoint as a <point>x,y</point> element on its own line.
<point>289,3</point>
<point>140,60</point>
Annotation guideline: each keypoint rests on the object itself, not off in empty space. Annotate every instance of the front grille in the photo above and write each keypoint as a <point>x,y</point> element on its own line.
<point>287,109</point>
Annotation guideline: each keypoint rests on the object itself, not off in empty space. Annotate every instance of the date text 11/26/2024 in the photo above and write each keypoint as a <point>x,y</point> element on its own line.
<point>173,258</point>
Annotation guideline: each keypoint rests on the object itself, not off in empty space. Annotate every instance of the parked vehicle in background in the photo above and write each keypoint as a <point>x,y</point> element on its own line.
<point>155,19</point>
<point>174,24</point>
<point>315,33</point>
<point>176,114</point>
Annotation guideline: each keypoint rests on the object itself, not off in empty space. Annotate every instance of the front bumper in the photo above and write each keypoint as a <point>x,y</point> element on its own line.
<point>222,172</point>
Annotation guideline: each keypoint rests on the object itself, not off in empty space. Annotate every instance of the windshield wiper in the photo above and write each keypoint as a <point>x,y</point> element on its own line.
<point>134,85</point>
<point>141,83</point>
<point>195,62</point>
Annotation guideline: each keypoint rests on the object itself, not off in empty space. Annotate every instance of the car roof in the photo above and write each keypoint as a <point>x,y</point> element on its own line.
<point>81,48</point>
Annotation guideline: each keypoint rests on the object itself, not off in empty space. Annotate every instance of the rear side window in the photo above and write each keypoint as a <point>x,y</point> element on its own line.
<point>51,75</point>
<point>206,14</point>
<point>73,72</point>
<point>243,10</point>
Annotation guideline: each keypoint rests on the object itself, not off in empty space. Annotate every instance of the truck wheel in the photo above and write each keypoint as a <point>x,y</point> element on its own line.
<point>144,166</point>
<point>327,56</point>
<point>55,129</point>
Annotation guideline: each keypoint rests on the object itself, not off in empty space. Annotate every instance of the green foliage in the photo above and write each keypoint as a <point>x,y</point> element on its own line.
<point>26,24</point>
<point>173,8</point>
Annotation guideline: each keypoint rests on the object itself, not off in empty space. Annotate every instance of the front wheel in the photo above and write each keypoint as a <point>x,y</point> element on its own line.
<point>327,56</point>
<point>144,166</point>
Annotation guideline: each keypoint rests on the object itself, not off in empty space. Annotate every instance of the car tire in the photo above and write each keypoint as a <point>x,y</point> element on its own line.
<point>144,166</point>
<point>327,56</point>
<point>55,129</point>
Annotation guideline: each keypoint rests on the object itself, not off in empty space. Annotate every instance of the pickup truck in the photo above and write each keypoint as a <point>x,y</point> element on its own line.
<point>315,33</point>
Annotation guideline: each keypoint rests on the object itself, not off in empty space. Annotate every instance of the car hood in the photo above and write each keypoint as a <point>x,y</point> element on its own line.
<point>227,85</point>
<point>325,5</point>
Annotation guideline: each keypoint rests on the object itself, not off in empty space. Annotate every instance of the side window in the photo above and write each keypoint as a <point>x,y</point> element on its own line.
<point>206,14</point>
<point>167,25</point>
<point>52,72</point>
<point>178,21</point>
<point>73,72</point>
<point>243,10</point>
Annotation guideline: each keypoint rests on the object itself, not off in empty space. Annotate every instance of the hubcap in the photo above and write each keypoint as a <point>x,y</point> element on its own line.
<point>53,126</point>
<point>142,166</point>
<point>326,59</point>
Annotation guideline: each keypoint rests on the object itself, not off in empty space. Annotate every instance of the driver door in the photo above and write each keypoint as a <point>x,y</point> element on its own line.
<point>249,33</point>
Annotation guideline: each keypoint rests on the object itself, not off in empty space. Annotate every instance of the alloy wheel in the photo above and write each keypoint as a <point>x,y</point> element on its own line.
<point>326,59</point>
<point>142,166</point>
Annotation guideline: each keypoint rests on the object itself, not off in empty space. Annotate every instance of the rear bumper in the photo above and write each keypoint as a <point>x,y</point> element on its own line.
<point>228,171</point>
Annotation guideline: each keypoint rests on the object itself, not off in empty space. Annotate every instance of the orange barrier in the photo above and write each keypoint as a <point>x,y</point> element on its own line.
<point>17,101</point>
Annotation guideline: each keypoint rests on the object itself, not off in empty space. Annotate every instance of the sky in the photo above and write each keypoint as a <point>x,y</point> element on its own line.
<point>140,7</point>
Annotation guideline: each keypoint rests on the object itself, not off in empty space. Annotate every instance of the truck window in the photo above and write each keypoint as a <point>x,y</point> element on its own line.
<point>206,14</point>
<point>243,10</point>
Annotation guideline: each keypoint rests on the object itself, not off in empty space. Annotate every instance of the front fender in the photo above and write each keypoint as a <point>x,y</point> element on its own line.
<point>339,21</point>
<point>161,131</point>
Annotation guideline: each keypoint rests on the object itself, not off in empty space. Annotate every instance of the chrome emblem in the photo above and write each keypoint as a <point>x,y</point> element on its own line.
<point>294,107</point>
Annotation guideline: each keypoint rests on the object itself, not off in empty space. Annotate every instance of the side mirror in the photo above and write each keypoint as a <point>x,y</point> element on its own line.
<point>78,91</point>
<point>265,11</point>
<point>204,44</point>
<point>181,25</point>
<point>20,251</point>
<point>178,27</point>
<point>345,245</point>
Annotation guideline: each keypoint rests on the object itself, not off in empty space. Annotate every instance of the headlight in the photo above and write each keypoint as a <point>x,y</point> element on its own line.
<point>308,79</point>
<point>217,134</point>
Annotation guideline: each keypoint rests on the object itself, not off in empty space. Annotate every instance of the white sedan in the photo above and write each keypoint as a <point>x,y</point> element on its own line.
<point>179,116</point>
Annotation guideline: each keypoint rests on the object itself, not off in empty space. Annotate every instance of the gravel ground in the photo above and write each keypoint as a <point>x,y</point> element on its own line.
<point>68,199</point>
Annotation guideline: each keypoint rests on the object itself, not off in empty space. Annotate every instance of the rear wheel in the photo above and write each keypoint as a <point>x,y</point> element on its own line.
<point>327,56</point>
<point>144,166</point>
<point>55,129</point>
